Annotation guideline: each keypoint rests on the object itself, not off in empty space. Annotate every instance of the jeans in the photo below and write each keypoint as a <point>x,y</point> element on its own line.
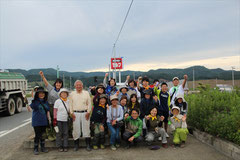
<point>115,137</point>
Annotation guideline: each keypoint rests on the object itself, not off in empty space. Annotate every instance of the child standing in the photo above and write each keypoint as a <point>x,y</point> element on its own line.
<point>98,120</point>
<point>179,127</point>
<point>114,121</point>
<point>61,115</point>
<point>40,118</point>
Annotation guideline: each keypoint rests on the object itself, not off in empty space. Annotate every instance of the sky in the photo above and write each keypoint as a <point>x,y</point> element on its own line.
<point>78,35</point>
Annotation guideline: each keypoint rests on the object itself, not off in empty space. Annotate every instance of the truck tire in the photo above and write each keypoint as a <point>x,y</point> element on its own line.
<point>19,105</point>
<point>11,107</point>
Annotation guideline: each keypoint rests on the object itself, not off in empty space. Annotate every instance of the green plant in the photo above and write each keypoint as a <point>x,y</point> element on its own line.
<point>217,113</point>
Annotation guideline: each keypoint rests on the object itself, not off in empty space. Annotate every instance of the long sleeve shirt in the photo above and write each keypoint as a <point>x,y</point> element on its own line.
<point>114,113</point>
<point>52,94</point>
<point>134,126</point>
<point>80,101</point>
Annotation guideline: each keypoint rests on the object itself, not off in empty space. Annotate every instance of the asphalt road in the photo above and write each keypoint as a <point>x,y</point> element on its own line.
<point>13,131</point>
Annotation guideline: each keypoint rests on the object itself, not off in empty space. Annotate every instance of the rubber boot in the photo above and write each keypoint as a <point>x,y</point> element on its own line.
<point>35,151</point>
<point>76,145</point>
<point>88,141</point>
<point>42,143</point>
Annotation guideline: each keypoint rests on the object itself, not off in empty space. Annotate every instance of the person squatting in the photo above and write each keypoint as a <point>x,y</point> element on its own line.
<point>132,113</point>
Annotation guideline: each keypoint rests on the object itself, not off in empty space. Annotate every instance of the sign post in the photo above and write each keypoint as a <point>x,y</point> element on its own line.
<point>116,63</point>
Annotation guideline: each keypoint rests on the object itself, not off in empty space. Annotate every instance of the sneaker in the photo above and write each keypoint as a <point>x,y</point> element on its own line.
<point>95,147</point>
<point>164,145</point>
<point>127,146</point>
<point>65,149</point>
<point>149,143</point>
<point>102,146</point>
<point>117,145</point>
<point>182,144</point>
<point>160,138</point>
<point>167,135</point>
<point>60,149</point>
<point>36,152</point>
<point>113,148</point>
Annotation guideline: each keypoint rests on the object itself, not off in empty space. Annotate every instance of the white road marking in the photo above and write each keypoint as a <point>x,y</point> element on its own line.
<point>3,132</point>
<point>14,129</point>
<point>27,120</point>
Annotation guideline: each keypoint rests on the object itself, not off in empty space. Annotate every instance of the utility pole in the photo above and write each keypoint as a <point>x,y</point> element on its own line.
<point>70,83</point>
<point>233,76</point>
<point>57,71</point>
<point>109,72</point>
<point>193,79</point>
<point>63,79</point>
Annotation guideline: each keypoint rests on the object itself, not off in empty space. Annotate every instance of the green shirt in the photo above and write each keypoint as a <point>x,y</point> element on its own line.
<point>134,126</point>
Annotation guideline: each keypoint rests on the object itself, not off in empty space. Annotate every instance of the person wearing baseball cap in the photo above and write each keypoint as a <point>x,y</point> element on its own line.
<point>177,89</point>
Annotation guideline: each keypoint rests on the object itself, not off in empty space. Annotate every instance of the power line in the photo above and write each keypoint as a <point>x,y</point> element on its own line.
<point>123,24</point>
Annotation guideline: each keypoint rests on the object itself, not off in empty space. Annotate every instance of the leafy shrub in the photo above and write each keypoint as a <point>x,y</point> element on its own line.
<point>217,113</point>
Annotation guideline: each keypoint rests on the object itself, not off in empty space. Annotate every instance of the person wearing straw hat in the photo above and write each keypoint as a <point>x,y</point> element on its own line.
<point>40,118</point>
<point>179,127</point>
<point>114,121</point>
<point>61,116</point>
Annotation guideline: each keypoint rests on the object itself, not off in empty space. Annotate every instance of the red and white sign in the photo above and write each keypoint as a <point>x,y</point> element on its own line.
<point>116,63</point>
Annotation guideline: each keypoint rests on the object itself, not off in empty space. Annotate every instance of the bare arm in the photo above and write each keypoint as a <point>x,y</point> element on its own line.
<point>105,80</point>
<point>185,81</point>
<point>44,79</point>
<point>127,80</point>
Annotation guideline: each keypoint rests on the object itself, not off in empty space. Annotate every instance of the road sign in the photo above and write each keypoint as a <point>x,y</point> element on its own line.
<point>116,63</point>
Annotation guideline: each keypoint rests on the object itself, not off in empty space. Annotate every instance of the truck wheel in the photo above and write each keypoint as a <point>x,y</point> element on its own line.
<point>11,107</point>
<point>19,105</point>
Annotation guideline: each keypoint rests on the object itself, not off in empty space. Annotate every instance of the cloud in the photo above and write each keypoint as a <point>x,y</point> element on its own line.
<point>78,35</point>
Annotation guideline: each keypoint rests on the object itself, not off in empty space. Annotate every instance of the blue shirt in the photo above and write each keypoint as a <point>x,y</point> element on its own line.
<point>39,115</point>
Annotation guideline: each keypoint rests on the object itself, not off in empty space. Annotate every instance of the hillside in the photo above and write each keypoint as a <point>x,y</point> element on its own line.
<point>93,78</point>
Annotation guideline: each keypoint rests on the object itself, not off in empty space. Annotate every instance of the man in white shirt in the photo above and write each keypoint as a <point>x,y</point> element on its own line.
<point>80,108</point>
<point>177,89</point>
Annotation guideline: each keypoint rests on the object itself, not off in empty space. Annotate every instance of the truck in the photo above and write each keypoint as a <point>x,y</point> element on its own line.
<point>12,92</point>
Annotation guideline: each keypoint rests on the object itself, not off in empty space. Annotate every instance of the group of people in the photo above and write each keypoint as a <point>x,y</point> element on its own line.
<point>138,111</point>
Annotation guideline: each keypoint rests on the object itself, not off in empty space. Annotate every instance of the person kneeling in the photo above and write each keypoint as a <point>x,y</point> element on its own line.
<point>132,134</point>
<point>153,123</point>
<point>179,127</point>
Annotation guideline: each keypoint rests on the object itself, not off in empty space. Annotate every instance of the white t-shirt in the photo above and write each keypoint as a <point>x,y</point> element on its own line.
<point>62,114</point>
<point>179,90</point>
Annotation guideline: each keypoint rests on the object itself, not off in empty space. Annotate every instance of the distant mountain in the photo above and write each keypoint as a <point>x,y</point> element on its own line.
<point>93,78</point>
